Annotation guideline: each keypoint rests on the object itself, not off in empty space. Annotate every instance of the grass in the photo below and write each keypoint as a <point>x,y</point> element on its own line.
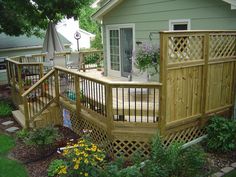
<point>9,168</point>
<point>231,174</point>
<point>6,143</point>
<point>5,109</point>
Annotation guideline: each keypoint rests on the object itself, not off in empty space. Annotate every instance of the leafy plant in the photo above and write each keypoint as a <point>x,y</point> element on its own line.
<point>147,56</point>
<point>91,59</point>
<point>22,134</point>
<point>221,135</point>
<point>41,137</point>
<point>80,159</point>
<point>5,109</point>
<point>57,167</point>
<point>174,160</point>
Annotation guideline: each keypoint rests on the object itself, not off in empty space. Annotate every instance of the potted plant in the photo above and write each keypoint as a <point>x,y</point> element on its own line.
<point>146,58</point>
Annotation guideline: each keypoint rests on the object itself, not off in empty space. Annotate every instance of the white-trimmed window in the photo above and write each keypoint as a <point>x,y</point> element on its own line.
<point>179,24</point>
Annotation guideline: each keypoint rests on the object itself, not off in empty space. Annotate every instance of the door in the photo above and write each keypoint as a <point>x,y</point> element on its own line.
<point>119,50</point>
<point>126,41</point>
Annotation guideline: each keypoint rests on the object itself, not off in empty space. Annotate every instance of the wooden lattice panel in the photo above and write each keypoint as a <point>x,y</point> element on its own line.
<point>99,135</point>
<point>222,46</point>
<point>185,48</point>
<point>184,135</point>
<point>127,146</point>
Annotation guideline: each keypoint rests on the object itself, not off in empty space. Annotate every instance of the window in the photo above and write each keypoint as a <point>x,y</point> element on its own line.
<point>182,24</point>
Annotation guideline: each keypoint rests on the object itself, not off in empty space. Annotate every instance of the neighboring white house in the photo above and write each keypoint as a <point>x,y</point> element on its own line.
<point>68,28</point>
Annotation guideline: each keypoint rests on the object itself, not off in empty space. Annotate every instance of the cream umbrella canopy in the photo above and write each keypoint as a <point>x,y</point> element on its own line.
<point>52,42</point>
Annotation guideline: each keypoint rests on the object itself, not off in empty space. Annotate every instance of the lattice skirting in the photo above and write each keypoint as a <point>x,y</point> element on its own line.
<point>128,145</point>
<point>184,135</point>
<point>98,134</point>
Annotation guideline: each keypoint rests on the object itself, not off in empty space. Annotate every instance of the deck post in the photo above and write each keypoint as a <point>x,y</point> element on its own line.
<point>20,82</point>
<point>163,80</point>
<point>205,77</point>
<point>57,86</point>
<point>109,109</point>
<point>78,96</point>
<point>26,112</point>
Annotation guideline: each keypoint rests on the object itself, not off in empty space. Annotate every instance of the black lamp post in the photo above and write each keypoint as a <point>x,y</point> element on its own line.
<point>77,36</point>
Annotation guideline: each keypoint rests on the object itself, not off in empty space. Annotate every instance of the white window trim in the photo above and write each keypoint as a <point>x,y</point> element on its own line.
<point>116,27</point>
<point>179,21</point>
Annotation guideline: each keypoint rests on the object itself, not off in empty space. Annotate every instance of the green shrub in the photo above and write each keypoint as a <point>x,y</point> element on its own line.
<point>91,59</point>
<point>5,109</point>
<point>56,167</point>
<point>40,137</point>
<point>174,160</point>
<point>22,134</point>
<point>221,135</point>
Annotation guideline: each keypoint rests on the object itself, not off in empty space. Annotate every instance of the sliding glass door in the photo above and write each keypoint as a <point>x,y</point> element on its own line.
<point>120,47</point>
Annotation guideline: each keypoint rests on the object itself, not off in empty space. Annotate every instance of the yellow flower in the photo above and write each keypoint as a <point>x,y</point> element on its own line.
<point>85,174</point>
<point>85,155</point>
<point>76,166</point>
<point>65,152</point>
<point>62,170</point>
<point>86,161</point>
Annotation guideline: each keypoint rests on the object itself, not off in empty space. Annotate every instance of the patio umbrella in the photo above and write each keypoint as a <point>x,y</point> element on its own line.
<point>52,42</point>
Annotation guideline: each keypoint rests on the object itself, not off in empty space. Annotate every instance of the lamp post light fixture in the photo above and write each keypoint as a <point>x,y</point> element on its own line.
<point>77,36</point>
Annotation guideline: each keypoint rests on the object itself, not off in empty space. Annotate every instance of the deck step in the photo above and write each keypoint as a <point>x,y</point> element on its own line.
<point>19,117</point>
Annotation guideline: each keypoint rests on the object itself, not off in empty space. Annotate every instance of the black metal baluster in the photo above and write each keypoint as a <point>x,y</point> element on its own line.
<point>134,104</point>
<point>141,104</point>
<point>154,104</point>
<point>123,105</point>
<point>129,102</point>
<point>147,105</point>
<point>117,107</point>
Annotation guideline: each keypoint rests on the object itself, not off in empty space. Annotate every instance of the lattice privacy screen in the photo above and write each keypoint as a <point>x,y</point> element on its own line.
<point>222,46</point>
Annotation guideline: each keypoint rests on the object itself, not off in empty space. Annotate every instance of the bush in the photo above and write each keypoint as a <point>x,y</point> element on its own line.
<point>91,59</point>
<point>174,160</point>
<point>81,159</point>
<point>5,109</point>
<point>40,137</point>
<point>221,135</point>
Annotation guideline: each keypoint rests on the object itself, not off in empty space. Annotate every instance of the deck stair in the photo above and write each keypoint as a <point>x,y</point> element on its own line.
<point>48,116</point>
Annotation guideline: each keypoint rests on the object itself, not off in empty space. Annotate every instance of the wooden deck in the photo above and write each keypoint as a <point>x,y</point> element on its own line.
<point>197,80</point>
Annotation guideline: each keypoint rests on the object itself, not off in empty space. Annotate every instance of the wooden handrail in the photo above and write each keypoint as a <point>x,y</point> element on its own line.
<point>197,31</point>
<point>113,83</point>
<point>38,83</point>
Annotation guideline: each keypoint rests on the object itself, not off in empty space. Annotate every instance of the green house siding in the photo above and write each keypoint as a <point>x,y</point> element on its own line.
<point>154,15</point>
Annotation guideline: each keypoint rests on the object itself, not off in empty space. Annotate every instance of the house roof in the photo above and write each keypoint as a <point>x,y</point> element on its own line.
<point>10,42</point>
<point>110,4</point>
<point>232,3</point>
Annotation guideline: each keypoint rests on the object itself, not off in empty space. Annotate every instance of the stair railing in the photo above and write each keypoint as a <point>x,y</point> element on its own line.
<point>38,97</point>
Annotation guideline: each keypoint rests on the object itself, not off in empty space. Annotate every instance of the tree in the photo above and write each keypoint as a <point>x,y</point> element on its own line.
<point>88,24</point>
<point>30,17</point>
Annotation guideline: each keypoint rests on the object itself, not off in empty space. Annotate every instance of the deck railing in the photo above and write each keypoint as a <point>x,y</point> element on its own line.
<point>91,59</point>
<point>39,97</point>
<point>21,76</point>
<point>128,101</point>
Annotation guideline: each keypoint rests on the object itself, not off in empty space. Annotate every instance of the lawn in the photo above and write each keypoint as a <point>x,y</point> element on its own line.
<point>9,168</point>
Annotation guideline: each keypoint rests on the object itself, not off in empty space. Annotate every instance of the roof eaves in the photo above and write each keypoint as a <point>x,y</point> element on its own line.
<point>109,5</point>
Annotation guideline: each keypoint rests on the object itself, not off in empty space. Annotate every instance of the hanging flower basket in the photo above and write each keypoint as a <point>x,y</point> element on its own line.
<point>147,56</point>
